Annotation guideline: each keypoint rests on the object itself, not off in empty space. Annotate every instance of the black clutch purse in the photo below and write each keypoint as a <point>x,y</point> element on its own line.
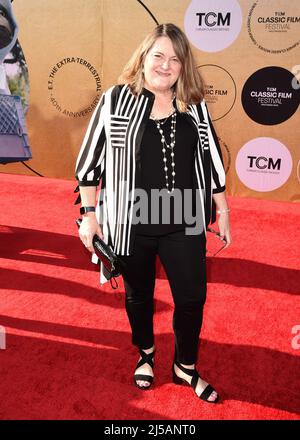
<point>110,261</point>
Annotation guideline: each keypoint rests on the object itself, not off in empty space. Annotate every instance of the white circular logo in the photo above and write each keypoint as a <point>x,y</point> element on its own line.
<point>213,25</point>
<point>264,164</point>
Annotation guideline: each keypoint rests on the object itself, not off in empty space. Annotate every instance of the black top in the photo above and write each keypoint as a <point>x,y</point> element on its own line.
<point>153,174</point>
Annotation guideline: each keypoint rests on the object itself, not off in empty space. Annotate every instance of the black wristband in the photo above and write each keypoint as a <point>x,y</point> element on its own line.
<point>85,209</point>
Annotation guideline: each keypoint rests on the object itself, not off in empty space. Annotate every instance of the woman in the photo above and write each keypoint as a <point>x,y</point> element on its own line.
<point>154,133</point>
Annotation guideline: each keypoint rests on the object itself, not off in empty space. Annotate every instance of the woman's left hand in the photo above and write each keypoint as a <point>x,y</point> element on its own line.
<point>224,228</point>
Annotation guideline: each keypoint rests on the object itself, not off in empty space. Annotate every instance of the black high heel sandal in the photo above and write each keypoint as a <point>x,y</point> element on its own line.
<point>195,376</point>
<point>146,359</point>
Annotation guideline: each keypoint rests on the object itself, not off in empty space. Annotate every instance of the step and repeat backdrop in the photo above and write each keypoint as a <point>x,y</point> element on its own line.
<point>247,51</point>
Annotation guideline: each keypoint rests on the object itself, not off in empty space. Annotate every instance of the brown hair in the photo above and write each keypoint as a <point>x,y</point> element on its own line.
<point>189,86</point>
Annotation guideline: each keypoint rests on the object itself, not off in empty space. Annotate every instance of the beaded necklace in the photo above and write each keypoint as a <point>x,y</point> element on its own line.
<point>170,146</point>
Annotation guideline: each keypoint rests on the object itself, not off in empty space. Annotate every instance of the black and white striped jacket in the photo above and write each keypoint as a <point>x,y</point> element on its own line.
<point>110,152</point>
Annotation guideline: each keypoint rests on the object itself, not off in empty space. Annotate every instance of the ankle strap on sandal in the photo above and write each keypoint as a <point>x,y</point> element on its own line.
<point>147,358</point>
<point>188,371</point>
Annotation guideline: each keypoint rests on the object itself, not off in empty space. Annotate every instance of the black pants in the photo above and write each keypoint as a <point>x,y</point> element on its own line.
<point>183,258</point>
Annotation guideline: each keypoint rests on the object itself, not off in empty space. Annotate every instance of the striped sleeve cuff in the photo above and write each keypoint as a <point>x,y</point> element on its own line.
<point>88,182</point>
<point>219,190</point>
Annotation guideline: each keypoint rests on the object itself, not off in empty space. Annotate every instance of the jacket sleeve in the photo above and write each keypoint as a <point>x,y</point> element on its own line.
<point>90,161</point>
<point>217,167</point>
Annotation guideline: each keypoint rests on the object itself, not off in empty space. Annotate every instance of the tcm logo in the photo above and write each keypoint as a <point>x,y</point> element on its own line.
<point>263,163</point>
<point>211,19</point>
<point>254,160</point>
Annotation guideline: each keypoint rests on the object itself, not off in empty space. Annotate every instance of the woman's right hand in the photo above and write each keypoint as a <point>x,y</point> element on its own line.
<point>88,228</point>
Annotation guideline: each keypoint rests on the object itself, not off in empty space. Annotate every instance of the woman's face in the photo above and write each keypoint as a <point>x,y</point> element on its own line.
<point>161,67</point>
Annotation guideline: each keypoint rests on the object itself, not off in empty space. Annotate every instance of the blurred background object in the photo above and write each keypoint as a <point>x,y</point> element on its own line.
<point>14,90</point>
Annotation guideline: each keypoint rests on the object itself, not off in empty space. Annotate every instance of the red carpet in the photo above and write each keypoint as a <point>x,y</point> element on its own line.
<point>69,352</point>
